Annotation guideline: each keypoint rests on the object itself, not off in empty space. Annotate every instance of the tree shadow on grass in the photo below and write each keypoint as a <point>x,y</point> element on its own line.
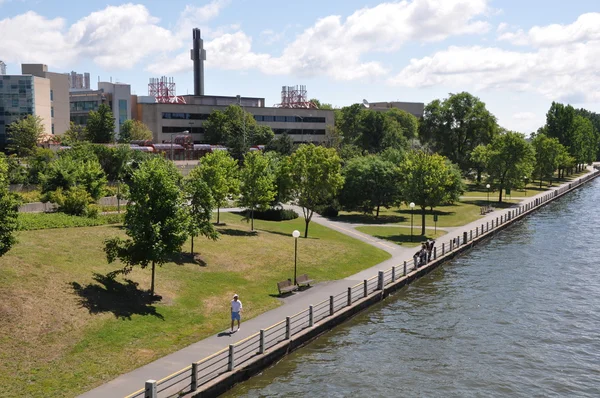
<point>483,202</point>
<point>358,218</point>
<point>236,232</point>
<point>123,299</point>
<point>400,239</point>
<point>183,258</point>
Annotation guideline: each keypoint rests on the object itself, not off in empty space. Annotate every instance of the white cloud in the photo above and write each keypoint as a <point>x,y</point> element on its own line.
<point>336,47</point>
<point>192,17</point>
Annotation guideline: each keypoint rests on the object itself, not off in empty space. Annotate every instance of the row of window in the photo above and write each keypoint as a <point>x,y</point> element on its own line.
<point>84,106</point>
<point>258,118</point>
<point>200,130</point>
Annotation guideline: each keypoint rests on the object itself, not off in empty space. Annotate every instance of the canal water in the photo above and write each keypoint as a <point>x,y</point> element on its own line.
<point>518,315</point>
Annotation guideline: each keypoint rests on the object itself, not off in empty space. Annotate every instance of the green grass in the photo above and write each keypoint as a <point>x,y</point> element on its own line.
<point>400,236</point>
<point>455,215</point>
<point>33,221</point>
<point>67,328</point>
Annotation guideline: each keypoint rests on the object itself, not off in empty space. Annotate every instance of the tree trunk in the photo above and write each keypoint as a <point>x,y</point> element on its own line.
<point>478,176</point>
<point>192,252</point>
<point>500,196</point>
<point>377,215</point>
<point>152,283</point>
<point>252,215</point>
<point>422,221</point>
<point>541,181</point>
<point>218,215</point>
<point>306,221</point>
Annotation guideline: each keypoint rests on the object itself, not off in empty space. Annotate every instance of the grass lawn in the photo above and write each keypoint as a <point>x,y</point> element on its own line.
<point>455,215</point>
<point>399,235</point>
<point>66,327</point>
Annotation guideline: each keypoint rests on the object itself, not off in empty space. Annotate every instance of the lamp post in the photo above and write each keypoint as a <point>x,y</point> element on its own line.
<point>412,212</point>
<point>295,234</point>
<point>488,193</point>
<point>525,178</point>
<point>172,134</point>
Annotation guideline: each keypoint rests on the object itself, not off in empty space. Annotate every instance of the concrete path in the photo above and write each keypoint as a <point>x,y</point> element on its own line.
<point>132,381</point>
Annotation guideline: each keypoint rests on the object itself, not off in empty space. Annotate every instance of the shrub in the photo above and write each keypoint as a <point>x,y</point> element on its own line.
<point>74,201</point>
<point>34,221</point>
<point>273,214</point>
<point>330,211</point>
<point>29,196</point>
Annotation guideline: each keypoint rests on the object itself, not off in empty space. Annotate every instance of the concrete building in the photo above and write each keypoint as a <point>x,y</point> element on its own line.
<point>79,81</point>
<point>59,95</point>
<point>414,108</point>
<point>120,101</point>
<point>303,125</point>
<point>84,101</point>
<point>22,95</point>
<point>2,68</point>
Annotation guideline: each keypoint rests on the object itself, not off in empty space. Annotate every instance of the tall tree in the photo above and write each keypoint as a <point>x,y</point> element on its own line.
<point>101,125</point>
<point>409,123</point>
<point>133,130</point>
<point>585,140</point>
<point>200,204</point>
<point>283,145</point>
<point>24,134</point>
<point>156,220</point>
<point>348,121</point>
<point>215,128</point>
<point>76,133</point>
<point>547,156</point>
<point>316,172</point>
<point>8,210</point>
<point>220,172</point>
<point>370,183</point>
<point>281,167</point>
<point>380,131</point>
<point>455,126</point>
<point>429,181</point>
<point>510,157</point>
<point>559,124</point>
<point>257,183</point>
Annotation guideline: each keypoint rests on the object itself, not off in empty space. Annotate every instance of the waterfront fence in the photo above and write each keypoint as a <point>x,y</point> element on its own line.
<point>236,355</point>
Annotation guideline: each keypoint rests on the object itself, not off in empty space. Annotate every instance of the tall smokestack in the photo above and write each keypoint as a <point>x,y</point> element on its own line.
<point>198,56</point>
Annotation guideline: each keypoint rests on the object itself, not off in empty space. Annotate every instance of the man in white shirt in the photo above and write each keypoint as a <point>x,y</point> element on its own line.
<point>236,309</point>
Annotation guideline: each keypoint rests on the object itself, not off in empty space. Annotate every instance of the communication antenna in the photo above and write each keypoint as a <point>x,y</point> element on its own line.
<point>366,103</point>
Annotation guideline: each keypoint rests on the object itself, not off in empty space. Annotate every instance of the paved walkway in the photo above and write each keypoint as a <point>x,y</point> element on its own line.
<point>132,381</point>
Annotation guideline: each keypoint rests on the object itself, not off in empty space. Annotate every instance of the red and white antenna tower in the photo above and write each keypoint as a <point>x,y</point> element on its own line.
<point>163,90</point>
<point>295,97</point>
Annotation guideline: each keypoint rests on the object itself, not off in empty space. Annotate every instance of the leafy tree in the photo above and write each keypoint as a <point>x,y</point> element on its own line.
<point>479,159</point>
<point>455,126</point>
<point>281,167</point>
<point>101,125</point>
<point>320,105</point>
<point>200,206</point>
<point>510,157</point>
<point>220,172</point>
<point>333,138</point>
<point>547,156</point>
<point>380,131</point>
<point>38,163</point>
<point>283,145</point>
<point>559,124</point>
<point>257,183</point>
<point>215,128</point>
<point>76,133</point>
<point>134,130</point>
<point>585,145</point>
<point>348,121</point>
<point>262,135</point>
<point>24,134</point>
<point>408,122</point>
<point>8,210</point>
<point>156,220</point>
<point>370,183</point>
<point>316,172</point>
<point>17,172</point>
<point>429,180</point>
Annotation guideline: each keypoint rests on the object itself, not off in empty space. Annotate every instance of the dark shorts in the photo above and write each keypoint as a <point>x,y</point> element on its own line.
<point>235,316</point>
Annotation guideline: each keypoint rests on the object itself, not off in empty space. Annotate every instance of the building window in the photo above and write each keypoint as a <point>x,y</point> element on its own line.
<point>122,111</point>
<point>52,128</point>
<point>52,111</point>
<point>51,95</point>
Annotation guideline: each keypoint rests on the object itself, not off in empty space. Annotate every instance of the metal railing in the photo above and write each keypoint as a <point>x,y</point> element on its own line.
<point>192,377</point>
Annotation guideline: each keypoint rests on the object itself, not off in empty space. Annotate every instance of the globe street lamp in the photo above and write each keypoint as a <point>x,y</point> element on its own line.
<point>295,234</point>
<point>525,178</point>
<point>412,208</point>
<point>488,193</point>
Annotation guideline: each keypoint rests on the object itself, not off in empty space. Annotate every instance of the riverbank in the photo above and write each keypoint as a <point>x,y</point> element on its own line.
<point>180,362</point>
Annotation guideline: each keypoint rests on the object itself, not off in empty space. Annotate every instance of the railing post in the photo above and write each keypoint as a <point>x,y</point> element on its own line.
<point>443,249</point>
<point>394,273</point>
<point>150,389</point>
<point>476,232</point>
<point>471,235</point>
<point>435,253</point>
<point>482,230</point>
<point>487,226</point>
<point>465,237</point>
<point>330,305</point>
<point>380,280</point>
<point>287,327</point>
<point>405,266</point>
<point>365,288</point>
<point>194,385</point>
<point>231,363</point>
<point>349,296</point>
<point>310,316</point>
<point>261,338</point>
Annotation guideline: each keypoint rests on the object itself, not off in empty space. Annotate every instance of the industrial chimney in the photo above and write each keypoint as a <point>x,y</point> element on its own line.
<point>198,56</point>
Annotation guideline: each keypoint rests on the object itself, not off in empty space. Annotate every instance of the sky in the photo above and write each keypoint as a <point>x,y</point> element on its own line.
<point>516,56</point>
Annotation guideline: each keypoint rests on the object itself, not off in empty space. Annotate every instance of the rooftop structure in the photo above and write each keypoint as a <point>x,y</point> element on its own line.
<point>198,55</point>
<point>164,91</point>
<point>295,97</point>
<point>79,81</point>
<point>2,68</point>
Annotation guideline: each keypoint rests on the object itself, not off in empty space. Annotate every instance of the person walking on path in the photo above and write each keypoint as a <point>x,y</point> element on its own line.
<point>236,309</point>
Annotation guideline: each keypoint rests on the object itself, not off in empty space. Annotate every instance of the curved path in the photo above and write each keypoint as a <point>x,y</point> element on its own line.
<point>132,381</point>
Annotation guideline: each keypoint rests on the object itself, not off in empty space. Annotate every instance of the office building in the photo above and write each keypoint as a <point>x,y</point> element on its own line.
<point>78,81</point>
<point>2,68</point>
<point>120,102</point>
<point>59,95</point>
<point>164,119</point>
<point>22,95</point>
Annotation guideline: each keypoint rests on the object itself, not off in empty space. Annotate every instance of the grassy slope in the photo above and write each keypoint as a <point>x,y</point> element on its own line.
<point>62,332</point>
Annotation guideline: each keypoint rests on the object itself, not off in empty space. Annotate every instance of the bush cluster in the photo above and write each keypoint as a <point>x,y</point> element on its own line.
<point>273,214</point>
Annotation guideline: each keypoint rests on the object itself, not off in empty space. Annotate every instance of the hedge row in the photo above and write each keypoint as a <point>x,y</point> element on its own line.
<point>273,215</point>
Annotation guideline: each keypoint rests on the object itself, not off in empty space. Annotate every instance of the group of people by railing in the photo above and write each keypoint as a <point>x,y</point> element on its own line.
<point>423,256</point>
<point>483,210</point>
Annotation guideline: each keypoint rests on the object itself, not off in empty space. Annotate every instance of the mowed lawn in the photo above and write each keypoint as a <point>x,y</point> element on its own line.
<point>65,327</point>
<point>456,215</point>
<point>401,236</point>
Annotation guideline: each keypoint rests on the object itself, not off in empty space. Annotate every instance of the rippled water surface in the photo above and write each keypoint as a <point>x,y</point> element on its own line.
<point>516,316</point>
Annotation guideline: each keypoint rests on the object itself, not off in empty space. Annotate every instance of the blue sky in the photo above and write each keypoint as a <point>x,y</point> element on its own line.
<point>517,56</point>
